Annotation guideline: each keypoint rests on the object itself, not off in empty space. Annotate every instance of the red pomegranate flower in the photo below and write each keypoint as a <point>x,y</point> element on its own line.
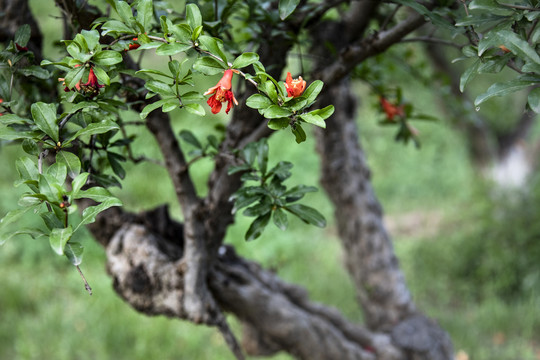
<point>295,87</point>
<point>222,92</point>
<point>391,110</point>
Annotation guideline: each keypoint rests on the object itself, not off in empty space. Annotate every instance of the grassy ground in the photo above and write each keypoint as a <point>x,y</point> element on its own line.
<point>46,314</point>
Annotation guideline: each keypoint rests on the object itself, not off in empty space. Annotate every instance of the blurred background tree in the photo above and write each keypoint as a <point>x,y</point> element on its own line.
<point>471,187</point>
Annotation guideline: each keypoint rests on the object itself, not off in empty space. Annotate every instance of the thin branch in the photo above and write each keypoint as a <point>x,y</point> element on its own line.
<point>229,337</point>
<point>429,39</point>
<point>360,51</point>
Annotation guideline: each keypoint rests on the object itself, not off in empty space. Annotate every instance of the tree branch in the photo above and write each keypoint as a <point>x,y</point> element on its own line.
<point>358,52</point>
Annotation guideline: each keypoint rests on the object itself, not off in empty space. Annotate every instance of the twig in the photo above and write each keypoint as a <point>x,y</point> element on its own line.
<point>86,285</point>
<point>229,337</point>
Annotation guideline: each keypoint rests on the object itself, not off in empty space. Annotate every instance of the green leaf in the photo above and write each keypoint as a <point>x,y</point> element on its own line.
<point>310,94</point>
<point>262,155</point>
<point>275,111</point>
<point>278,124</point>
<point>298,192</point>
<point>102,75</point>
<point>71,161</point>
<point>286,7</point>
<point>518,46</point>
<point>35,71</point>
<point>78,182</point>
<point>115,160</point>
<point>324,113</point>
<point>209,66</point>
<point>14,215</point>
<point>257,227</point>
<point>95,128</point>
<point>196,109</point>
<point>214,46</point>
<point>151,107</point>
<point>153,71</point>
<point>91,38</point>
<point>13,119</point>
<point>27,168</point>
<point>280,219</point>
<point>534,100</point>
<point>9,133</point>
<point>124,11</point>
<point>258,101</point>
<point>144,13</point>
<point>89,214</point>
<point>259,209</point>
<point>96,193</point>
<point>58,171</point>
<point>22,35</point>
<point>51,221</point>
<point>34,233</point>
<point>299,133</point>
<point>244,60</point>
<point>48,186</point>
<point>193,16</point>
<point>116,26</point>
<point>313,119</point>
<point>469,74</point>
<point>59,238</point>
<point>74,76</point>
<point>159,87</point>
<point>182,32</point>
<point>45,118</point>
<point>188,137</point>
<point>30,147</point>
<point>74,252</point>
<point>270,89</point>
<point>308,214</point>
<point>500,89</point>
<point>172,49</point>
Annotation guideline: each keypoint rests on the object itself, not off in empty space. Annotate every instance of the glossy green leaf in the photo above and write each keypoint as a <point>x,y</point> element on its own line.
<point>534,100</point>
<point>95,193</point>
<point>59,238</point>
<point>74,252</point>
<point>35,71</point>
<point>257,227</point>
<point>172,49</point>
<point>71,161</point>
<point>299,133</point>
<point>518,46</point>
<point>468,75</point>
<point>95,128</point>
<point>151,107</point>
<point>14,215</point>
<point>214,45</point>
<point>145,11</point>
<point>27,168</point>
<point>500,89</point>
<point>124,11</point>
<point>30,147</point>
<point>196,109</point>
<point>74,76</point>
<point>89,214</point>
<point>286,7</point>
<point>275,111</point>
<point>313,119</point>
<point>280,219</point>
<point>310,94</point>
<point>51,221</point>
<point>259,209</point>
<point>193,16</point>
<point>308,214</point>
<point>48,186</point>
<point>296,193</point>
<point>78,182</point>
<point>34,233</point>
<point>279,123</point>
<point>45,118</point>
<point>58,171</point>
<point>244,60</point>
<point>209,66</point>
<point>22,35</point>
<point>159,87</point>
<point>102,75</point>
<point>9,133</point>
<point>258,101</point>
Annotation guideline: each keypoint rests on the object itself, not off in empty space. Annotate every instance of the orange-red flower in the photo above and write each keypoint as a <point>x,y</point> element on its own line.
<point>134,45</point>
<point>391,110</point>
<point>92,80</point>
<point>222,92</point>
<point>295,87</point>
